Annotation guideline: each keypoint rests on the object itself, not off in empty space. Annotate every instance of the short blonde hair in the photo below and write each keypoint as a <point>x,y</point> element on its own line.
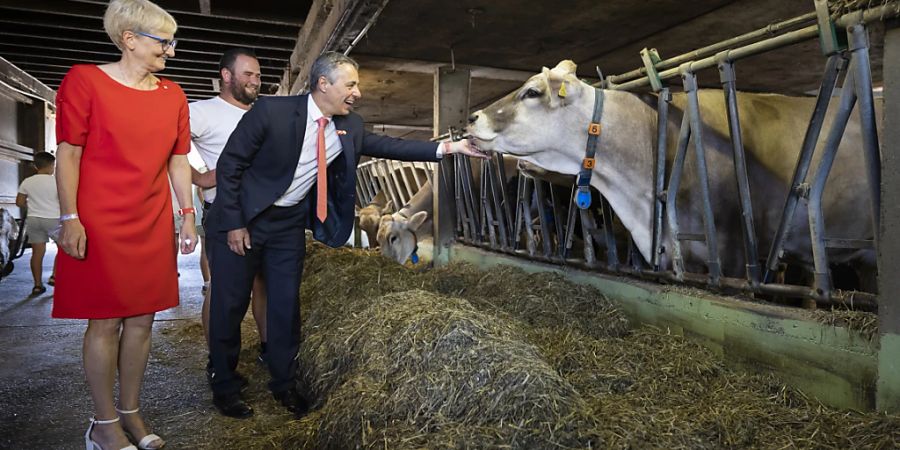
<point>136,15</point>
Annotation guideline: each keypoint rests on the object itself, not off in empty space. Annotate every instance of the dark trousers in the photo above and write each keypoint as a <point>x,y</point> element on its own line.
<point>278,243</point>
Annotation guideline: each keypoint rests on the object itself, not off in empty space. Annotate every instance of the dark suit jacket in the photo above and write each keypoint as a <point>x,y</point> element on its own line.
<point>258,163</point>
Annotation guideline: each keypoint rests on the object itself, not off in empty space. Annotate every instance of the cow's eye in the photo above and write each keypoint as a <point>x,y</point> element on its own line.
<point>531,93</point>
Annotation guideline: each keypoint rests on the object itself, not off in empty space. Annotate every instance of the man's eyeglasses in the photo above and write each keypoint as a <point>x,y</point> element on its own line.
<point>165,43</point>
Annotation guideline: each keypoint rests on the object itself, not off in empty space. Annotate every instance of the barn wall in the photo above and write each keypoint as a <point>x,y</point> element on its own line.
<point>9,164</point>
<point>837,366</point>
<point>22,133</point>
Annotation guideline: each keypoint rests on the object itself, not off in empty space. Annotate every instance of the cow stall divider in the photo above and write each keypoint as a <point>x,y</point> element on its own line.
<point>540,216</point>
<point>398,180</point>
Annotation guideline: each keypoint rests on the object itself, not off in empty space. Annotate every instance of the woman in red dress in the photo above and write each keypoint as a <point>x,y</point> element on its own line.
<point>123,134</point>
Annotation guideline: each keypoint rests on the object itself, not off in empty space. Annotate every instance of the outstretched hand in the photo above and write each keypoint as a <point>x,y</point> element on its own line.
<point>466,147</point>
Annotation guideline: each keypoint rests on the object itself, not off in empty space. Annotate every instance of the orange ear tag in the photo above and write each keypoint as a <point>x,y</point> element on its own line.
<point>562,90</point>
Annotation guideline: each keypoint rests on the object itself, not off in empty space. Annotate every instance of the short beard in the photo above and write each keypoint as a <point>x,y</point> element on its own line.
<point>240,94</point>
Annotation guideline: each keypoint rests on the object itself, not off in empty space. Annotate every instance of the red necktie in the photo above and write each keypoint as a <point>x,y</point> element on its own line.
<point>321,179</point>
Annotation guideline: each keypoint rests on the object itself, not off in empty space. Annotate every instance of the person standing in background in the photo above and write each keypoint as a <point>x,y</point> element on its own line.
<point>38,193</point>
<point>212,121</point>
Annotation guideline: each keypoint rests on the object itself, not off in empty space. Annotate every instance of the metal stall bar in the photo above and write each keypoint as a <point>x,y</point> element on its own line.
<point>464,171</point>
<point>659,174</point>
<point>684,137</point>
<point>558,224</point>
<point>416,176</point>
<point>822,275</point>
<point>710,50</point>
<point>368,185</point>
<point>570,230</point>
<point>487,210</point>
<point>546,235</point>
<point>372,177</point>
<point>498,196</point>
<point>523,213</point>
<point>393,178</point>
<point>428,175</point>
<point>588,228</point>
<point>410,189</point>
<point>463,221</point>
<point>448,175</point>
<point>880,13</point>
<point>364,182</point>
<point>384,182</point>
<point>835,65</point>
<point>507,211</point>
<point>612,256</point>
<point>726,72</point>
<point>709,225</point>
<point>859,64</point>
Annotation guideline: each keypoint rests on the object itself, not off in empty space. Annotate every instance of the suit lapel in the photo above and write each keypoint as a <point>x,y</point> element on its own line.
<point>302,112</point>
<point>344,136</point>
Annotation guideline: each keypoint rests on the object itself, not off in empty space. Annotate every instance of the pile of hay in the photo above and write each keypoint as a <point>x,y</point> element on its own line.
<point>458,357</point>
<point>425,370</point>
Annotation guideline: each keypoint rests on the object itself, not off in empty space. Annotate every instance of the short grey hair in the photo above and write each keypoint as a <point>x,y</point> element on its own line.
<point>326,64</point>
<point>136,15</point>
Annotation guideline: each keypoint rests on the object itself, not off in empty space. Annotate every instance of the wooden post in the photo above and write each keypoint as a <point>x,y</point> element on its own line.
<point>451,109</point>
<point>888,393</point>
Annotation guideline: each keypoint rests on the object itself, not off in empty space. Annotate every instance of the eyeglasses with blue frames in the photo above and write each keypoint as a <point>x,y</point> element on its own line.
<point>165,43</point>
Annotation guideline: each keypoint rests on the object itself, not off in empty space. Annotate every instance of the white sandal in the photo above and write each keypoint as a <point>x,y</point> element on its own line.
<point>89,443</point>
<point>145,441</point>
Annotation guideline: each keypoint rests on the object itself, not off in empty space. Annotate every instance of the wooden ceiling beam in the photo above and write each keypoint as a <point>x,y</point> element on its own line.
<point>15,51</point>
<point>176,7</point>
<point>90,16</point>
<point>187,38</point>
<point>20,79</point>
<point>330,25</point>
<point>275,56</point>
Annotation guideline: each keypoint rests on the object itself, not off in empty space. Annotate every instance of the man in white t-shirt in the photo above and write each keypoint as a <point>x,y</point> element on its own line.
<point>38,193</point>
<point>212,122</point>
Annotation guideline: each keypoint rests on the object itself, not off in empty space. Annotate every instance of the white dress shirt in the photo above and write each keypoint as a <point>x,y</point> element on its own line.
<point>307,167</point>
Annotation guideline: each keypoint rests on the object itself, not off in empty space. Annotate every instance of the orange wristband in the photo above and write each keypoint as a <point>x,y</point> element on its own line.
<point>184,211</point>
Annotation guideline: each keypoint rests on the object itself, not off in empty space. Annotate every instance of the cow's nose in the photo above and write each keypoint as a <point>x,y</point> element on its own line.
<point>473,118</point>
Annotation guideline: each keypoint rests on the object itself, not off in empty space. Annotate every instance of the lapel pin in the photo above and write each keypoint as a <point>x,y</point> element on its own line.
<point>341,132</point>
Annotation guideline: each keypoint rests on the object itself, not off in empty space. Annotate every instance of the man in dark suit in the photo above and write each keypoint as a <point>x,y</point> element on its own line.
<point>272,185</point>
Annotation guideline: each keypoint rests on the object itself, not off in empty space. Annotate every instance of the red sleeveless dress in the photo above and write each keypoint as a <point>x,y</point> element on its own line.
<point>127,136</point>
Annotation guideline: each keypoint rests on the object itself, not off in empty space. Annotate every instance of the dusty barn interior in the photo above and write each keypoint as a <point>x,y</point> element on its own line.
<point>681,238</point>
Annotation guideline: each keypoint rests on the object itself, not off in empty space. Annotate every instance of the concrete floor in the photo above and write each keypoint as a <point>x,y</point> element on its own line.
<point>44,401</point>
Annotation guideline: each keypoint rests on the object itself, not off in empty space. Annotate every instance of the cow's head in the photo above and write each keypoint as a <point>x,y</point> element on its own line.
<point>397,235</point>
<point>551,102</point>
<point>370,218</point>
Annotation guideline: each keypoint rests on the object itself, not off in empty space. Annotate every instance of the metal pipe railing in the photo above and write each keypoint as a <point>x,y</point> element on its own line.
<point>713,49</point>
<point>886,11</point>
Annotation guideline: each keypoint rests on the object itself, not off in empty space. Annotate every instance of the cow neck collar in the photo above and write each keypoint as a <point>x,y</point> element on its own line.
<point>583,196</point>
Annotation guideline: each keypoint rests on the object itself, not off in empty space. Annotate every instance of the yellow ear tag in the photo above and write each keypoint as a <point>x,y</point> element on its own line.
<point>562,90</point>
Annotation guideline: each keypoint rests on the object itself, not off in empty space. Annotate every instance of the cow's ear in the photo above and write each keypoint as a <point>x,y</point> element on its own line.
<point>562,88</point>
<point>417,220</point>
<point>566,67</point>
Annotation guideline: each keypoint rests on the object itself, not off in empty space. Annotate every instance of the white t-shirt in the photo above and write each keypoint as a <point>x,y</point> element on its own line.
<point>43,201</point>
<point>212,121</point>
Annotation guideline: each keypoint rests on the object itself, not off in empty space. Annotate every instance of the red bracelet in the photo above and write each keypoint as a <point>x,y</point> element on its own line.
<point>184,211</point>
